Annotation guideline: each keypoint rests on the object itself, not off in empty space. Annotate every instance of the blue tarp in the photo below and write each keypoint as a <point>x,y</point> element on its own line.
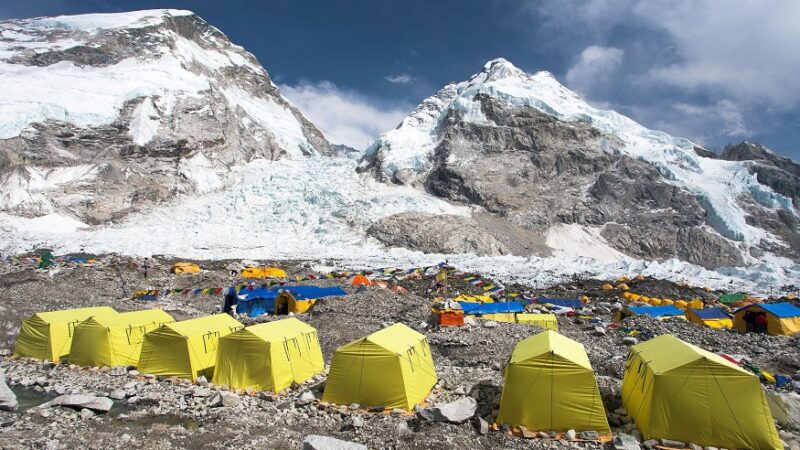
<point>777,309</point>
<point>491,308</point>
<point>565,302</point>
<point>711,313</point>
<point>262,300</point>
<point>656,311</point>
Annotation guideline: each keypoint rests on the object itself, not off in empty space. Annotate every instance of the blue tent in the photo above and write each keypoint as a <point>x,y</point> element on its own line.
<point>491,308</point>
<point>257,302</point>
<point>312,292</point>
<point>564,302</point>
<point>262,301</point>
<point>781,310</point>
<point>711,313</point>
<point>656,311</point>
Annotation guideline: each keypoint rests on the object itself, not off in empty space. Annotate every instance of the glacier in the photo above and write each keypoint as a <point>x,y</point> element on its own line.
<point>317,209</point>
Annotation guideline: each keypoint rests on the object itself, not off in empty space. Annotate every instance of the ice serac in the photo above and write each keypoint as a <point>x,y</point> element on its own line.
<point>105,114</point>
<point>535,155</point>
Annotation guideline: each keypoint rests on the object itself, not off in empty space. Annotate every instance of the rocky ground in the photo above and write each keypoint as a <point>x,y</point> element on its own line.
<point>150,412</point>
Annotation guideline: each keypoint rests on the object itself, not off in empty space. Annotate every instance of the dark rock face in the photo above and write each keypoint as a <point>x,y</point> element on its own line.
<point>535,171</point>
<point>773,170</point>
<point>199,137</point>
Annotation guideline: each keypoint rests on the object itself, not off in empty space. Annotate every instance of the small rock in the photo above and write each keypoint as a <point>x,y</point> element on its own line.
<point>590,435</point>
<point>650,443</point>
<point>625,442</point>
<point>490,324</point>
<point>231,401</point>
<point>402,430</point>
<point>599,331</point>
<point>570,435</point>
<point>673,444</point>
<point>87,413</point>
<point>306,398</point>
<point>202,380</point>
<point>117,394</point>
<point>8,400</point>
<point>758,350</point>
<point>460,390</point>
<point>481,426</point>
<point>630,340</point>
<point>458,411</point>
<point>81,401</point>
<point>317,442</point>
<point>133,373</point>
<point>693,446</point>
<point>358,422</point>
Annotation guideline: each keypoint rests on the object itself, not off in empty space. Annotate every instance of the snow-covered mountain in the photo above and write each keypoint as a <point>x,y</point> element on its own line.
<point>549,167</point>
<point>150,133</point>
<point>105,114</point>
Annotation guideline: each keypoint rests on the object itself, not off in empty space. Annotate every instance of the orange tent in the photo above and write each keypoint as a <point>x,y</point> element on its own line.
<point>361,280</point>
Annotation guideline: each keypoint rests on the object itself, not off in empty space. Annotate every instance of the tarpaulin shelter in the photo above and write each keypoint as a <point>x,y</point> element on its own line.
<point>660,312</point>
<point>731,298</point>
<point>550,386</point>
<point>48,335</point>
<point>361,280</point>
<point>480,309</point>
<point>114,340</point>
<point>269,356</point>
<point>185,267</point>
<point>546,321</point>
<point>263,272</point>
<point>186,349</point>
<point>776,319</point>
<point>712,317</point>
<point>392,368</point>
<point>565,302</point>
<point>675,390</point>
<point>474,298</point>
<point>296,299</point>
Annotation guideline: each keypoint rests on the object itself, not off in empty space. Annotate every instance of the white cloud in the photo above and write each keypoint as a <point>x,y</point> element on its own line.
<point>343,116</point>
<point>705,122</point>
<point>402,78</point>
<point>594,65</point>
<point>743,50</point>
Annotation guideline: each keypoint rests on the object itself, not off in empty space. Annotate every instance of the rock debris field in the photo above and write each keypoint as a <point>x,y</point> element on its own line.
<point>65,406</point>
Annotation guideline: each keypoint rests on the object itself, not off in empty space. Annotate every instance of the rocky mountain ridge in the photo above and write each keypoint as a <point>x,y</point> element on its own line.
<point>532,153</point>
<point>109,113</point>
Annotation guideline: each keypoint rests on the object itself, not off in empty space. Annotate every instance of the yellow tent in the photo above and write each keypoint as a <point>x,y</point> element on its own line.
<point>777,319</point>
<point>474,298</point>
<point>498,317</point>
<point>550,385</point>
<point>186,349</point>
<point>114,340</point>
<point>285,301</point>
<point>48,335</point>
<point>263,272</point>
<point>546,321</point>
<point>392,368</point>
<point>711,317</point>
<point>675,390</point>
<point>185,267</point>
<point>269,356</point>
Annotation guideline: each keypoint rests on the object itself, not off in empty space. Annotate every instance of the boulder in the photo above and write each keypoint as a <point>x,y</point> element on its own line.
<point>306,398</point>
<point>625,442</point>
<point>317,442</point>
<point>81,401</point>
<point>8,400</point>
<point>458,411</point>
<point>785,408</point>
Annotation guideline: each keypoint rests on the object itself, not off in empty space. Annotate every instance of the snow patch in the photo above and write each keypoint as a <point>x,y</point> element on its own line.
<point>144,122</point>
<point>201,171</point>
<point>88,95</point>
<point>573,240</point>
<point>275,118</point>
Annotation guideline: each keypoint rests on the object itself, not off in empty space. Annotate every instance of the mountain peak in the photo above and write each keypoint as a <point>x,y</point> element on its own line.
<point>497,69</point>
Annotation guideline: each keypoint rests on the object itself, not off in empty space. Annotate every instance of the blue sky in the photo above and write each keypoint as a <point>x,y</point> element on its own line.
<point>715,71</point>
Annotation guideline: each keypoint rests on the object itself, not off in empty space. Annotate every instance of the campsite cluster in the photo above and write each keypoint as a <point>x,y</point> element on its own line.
<point>439,386</point>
